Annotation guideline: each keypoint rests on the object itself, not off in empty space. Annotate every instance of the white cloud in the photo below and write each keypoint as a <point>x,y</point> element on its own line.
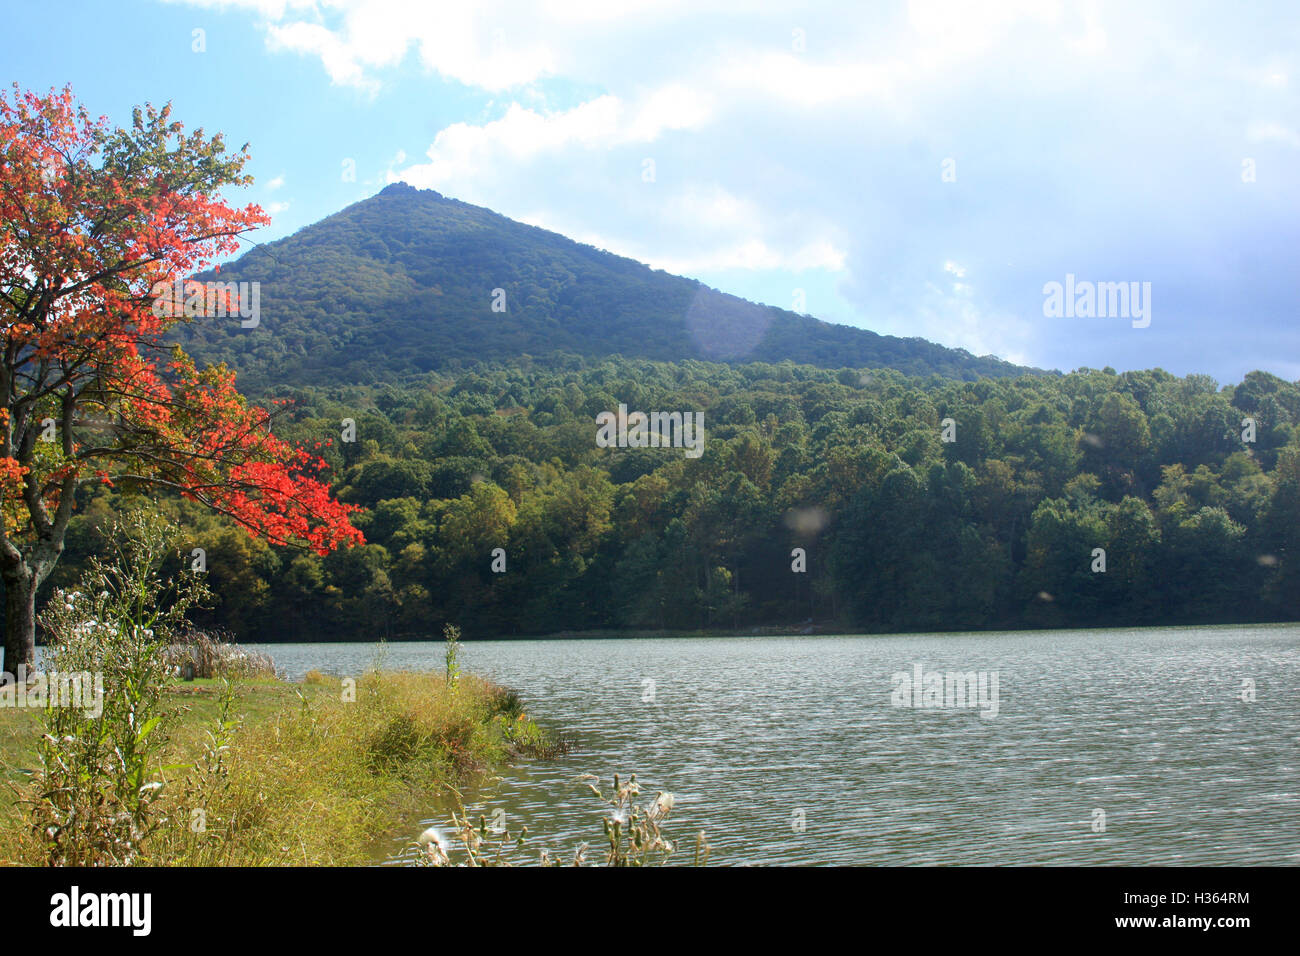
<point>492,46</point>
<point>338,58</point>
<point>464,150</point>
<point>729,252</point>
<point>274,184</point>
<point>670,107</point>
<point>756,254</point>
<point>1080,131</point>
<point>960,319</point>
<point>266,9</point>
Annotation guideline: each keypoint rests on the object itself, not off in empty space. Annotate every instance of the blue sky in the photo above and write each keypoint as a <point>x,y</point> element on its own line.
<point>917,168</point>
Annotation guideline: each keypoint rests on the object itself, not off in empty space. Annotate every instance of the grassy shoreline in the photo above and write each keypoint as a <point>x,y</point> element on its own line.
<point>316,773</point>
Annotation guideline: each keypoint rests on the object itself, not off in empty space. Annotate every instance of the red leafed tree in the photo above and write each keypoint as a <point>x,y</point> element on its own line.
<point>93,220</point>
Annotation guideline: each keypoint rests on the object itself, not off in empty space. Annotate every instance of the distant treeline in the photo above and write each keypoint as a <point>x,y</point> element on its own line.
<point>900,529</point>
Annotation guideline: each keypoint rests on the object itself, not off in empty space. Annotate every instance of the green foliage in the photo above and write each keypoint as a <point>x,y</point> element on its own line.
<point>901,529</point>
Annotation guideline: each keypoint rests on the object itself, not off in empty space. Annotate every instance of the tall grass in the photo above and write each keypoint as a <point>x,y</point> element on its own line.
<point>203,655</point>
<point>451,636</point>
<point>324,773</point>
<point>327,782</point>
<point>322,776</point>
<point>93,801</point>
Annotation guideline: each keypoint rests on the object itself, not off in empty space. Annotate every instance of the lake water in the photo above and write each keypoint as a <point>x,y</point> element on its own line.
<point>790,750</point>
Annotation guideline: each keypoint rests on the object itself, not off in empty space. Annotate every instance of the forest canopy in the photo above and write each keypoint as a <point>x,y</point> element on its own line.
<point>900,529</point>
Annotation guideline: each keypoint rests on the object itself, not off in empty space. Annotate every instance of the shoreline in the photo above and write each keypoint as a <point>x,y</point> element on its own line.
<point>614,634</point>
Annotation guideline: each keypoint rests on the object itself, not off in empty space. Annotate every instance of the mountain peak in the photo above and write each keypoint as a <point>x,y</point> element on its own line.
<point>384,290</point>
<point>401,188</point>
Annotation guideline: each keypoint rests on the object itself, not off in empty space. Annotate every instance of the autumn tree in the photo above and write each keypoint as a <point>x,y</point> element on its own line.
<point>95,222</point>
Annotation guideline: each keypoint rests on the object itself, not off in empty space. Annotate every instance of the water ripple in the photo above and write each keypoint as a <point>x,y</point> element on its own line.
<point>756,736</point>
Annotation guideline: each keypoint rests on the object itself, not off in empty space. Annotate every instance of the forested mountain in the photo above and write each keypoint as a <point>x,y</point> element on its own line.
<point>902,530</point>
<point>405,283</point>
<point>921,499</point>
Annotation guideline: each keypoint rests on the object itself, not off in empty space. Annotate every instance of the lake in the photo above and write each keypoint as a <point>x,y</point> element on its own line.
<point>1125,746</point>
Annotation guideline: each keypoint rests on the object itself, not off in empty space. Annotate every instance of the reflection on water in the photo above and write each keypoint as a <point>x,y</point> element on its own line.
<point>755,735</point>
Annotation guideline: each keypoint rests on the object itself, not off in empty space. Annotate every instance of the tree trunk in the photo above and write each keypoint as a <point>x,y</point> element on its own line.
<point>20,618</point>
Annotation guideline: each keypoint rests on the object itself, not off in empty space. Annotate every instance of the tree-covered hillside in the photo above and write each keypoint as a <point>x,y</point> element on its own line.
<point>406,282</point>
<point>901,529</point>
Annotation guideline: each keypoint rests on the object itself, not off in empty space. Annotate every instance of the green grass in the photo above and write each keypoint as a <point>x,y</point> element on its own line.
<point>194,705</point>
<point>308,777</point>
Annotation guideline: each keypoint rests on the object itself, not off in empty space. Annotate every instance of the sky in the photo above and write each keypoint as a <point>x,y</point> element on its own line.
<point>925,168</point>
